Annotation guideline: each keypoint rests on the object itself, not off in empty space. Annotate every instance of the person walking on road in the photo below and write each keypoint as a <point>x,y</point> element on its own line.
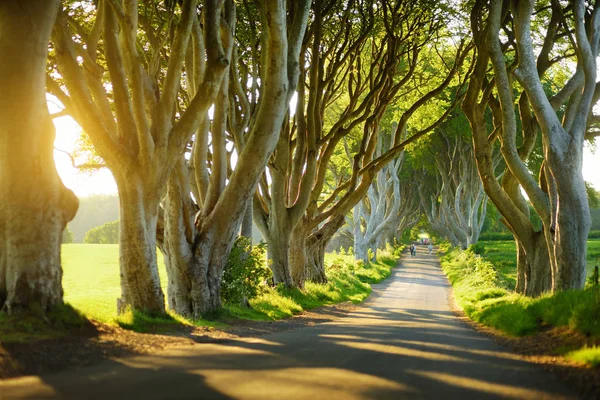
<point>430,248</point>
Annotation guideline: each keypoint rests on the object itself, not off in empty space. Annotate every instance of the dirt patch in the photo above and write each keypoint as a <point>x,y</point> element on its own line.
<point>97,341</point>
<point>546,348</point>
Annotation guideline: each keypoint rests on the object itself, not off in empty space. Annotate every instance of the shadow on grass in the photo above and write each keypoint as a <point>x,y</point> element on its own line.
<point>347,282</point>
<point>36,325</point>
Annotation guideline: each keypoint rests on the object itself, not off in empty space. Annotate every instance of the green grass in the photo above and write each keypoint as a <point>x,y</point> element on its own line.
<point>37,326</point>
<point>347,281</point>
<point>586,355</point>
<point>484,293</point>
<point>91,286</point>
<point>503,255</point>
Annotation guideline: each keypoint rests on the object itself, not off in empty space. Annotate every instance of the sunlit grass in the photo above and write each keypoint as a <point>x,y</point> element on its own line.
<point>503,255</point>
<point>586,355</point>
<point>483,292</point>
<point>347,281</point>
<point>91,283</point>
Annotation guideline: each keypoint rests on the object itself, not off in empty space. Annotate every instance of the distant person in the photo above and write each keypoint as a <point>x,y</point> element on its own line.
<point>412,250</point>
<point>430,248</point>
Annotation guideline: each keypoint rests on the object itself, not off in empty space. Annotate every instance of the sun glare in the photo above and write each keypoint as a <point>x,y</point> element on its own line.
<point>83,184</point>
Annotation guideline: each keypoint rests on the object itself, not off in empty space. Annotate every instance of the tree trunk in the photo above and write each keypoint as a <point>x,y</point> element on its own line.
<point>246,230</point>
<point>140,283</point>
<point>278,246</point>
<point>177,243</point>
<point>34,204</point>
<point>572,223</point>
<point>315,267</point>
<point>522,266</point>
<point>315,245</point>
<point>538,276</point>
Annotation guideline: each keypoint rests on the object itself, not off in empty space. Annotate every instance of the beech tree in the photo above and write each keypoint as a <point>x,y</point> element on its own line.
<point>119,74</point>
<point>453,199</point>
<point>250,112</point>
<point>361,59</point>
<point>35,206</point>
<point>553,258</point>
<point>388,207</point>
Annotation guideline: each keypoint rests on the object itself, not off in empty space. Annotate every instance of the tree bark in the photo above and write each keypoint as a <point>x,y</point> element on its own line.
<point>278,254</point>
<point>311,265</point>
<point>140,283</point>
<point>34,204</point>
<point>572,223</point>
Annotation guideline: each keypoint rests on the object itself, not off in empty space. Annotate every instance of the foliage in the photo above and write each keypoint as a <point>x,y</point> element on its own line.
<point>348,280</point>
<point>496,236</point>
<point>594,235</point>
<point>244,272</point>
<point>104,234</point>
<point>477,248</point>
<point>483,293</point>
<point>93,211</point>
<point>593,195</point>
<point>444,247</point>
<point>67,236</point>
<point>586,355</point>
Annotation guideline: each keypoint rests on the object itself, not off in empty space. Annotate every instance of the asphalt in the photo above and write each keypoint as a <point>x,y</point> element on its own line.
<point>404,344</point>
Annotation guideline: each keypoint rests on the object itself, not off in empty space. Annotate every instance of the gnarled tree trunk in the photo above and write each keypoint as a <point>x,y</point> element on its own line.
<point>138,215</point>
<point>34,204</point>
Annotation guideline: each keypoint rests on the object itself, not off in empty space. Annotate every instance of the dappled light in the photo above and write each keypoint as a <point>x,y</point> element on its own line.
<point>299,199</point>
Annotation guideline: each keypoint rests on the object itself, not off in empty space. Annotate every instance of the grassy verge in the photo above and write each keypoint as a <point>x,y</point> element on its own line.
<point>590,356</point>
<point>502,255</point>
<point>348,281</point>
<point>483,291</point>
<point>91,286</point>
<point>36,326</point>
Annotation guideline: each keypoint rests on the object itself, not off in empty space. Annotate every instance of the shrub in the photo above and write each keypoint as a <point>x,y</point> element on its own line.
<point>496,236</point>
<point>477,248</point>
<point>444,247</point>
<point>594,235</point>
<point>103,234</point>
<point>244,272</point>
<point>67,236</point>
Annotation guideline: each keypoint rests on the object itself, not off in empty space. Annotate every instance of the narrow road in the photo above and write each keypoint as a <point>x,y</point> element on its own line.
<point>406,343</point>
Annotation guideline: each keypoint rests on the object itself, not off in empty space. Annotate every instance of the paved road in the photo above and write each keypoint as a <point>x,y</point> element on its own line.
<point>404,344</point>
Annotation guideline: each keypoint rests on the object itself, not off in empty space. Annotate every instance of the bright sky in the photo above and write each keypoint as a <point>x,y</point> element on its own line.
<point>82,183</point>
<point>102,182</point>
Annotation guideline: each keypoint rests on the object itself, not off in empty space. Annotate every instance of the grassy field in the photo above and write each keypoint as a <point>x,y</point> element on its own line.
<point>91,286</point>
<point>502,255</point>
<point>91,278</point>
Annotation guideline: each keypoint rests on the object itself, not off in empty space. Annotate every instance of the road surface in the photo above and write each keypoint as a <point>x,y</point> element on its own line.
<point>406,343</point>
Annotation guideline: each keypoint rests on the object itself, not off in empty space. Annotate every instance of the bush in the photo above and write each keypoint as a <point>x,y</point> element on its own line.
<point>477,248</point>
<point>103,234</point>
<point>244,272</point>
<point>444,247</point>
<point>483,292</point>
<point>594,235</point>
<point>67,235</point>
<point>496,236</point>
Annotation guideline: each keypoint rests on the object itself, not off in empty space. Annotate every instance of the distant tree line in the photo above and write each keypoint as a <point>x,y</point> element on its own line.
<point>103,234</point>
